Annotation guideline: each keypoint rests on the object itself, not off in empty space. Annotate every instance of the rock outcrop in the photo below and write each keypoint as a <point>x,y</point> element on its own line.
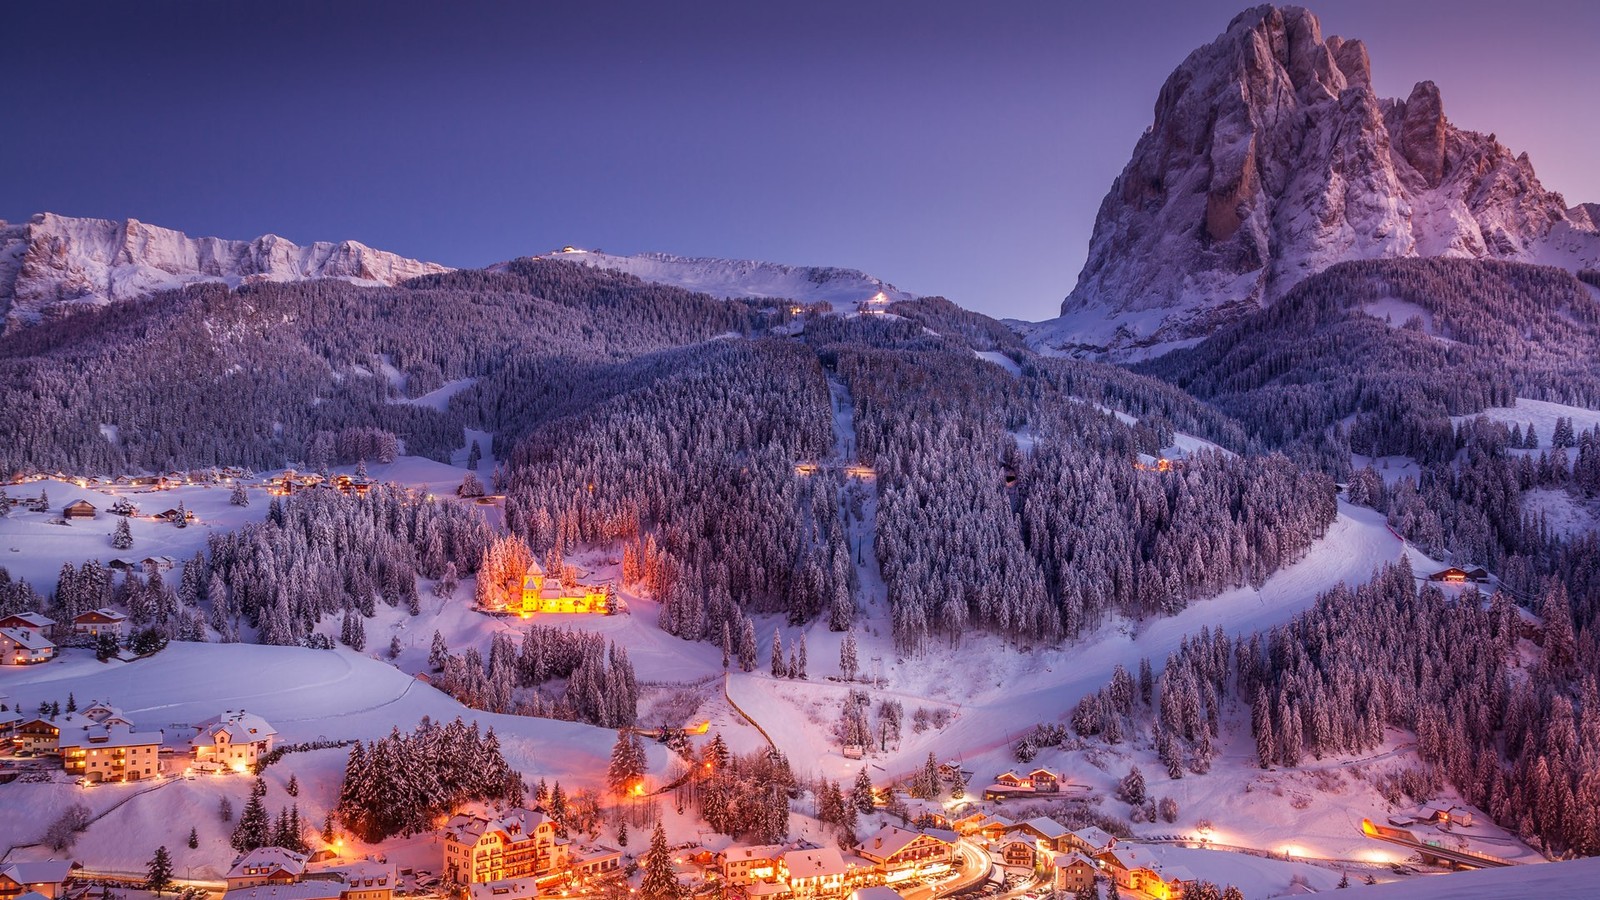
<point>1271,158</point>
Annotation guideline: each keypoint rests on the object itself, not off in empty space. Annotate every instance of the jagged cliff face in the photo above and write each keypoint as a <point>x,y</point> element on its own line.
<point>1270,158</point>
<point>52,263</point>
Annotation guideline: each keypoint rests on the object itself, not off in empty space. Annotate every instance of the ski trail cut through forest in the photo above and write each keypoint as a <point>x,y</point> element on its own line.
<point>858,513</point>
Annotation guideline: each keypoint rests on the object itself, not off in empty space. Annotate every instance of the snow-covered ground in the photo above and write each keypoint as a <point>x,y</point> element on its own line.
<point>1574,879</point>
<point>999,359</point>
<point>1390,468</point>
<point>438,399</point>
<point>842,289</point>
<point>1395,313</point>
<point>1543,415</point>
<point>1566,514</point>
<point>32,547</point>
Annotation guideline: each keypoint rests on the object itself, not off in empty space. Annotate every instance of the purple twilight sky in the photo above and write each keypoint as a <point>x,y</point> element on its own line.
<point>954,148</point>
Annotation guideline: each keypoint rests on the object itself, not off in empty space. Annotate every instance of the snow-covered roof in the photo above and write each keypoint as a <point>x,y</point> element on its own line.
<point>51,871</point>
<point>1094,836</point>
<point>814,863</point>
<point>269,858</point>
<point>99,615</point>
<point>738,853</point>
<point>505,889</point>
<point>27,620</point>
<point>366,873</point>
<point>1046,826</point>
<point>241,727</point>
<point>315,889</point>
<point>887,841</point>
<point>1063,860</point>
<point>518,823</point>
<point>876,892</point>
<point>116,735</point>
<point>27,638</point>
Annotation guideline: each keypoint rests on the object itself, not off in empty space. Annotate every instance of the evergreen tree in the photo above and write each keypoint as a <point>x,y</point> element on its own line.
<point>778,668</point>
<point>254,828</point>
<point>438,653</point>
<point>194,839</point>
<point>861,792</point>
<point>239,497</point>
<point>848,664</point>
<point>122,538</point>
<point>292,788</point>
<point>800,666</point>
<point>622,835</point>
<point>660,880</point>
<point>159,871</point>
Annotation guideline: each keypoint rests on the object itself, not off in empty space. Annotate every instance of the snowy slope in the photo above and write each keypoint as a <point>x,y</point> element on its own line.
<point>56,261</point>
<point>843,289</point>
<point>1564,879</point>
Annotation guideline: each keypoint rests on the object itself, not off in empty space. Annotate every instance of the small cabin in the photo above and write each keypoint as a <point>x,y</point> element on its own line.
<point>1456,575</point>
<point>1044,781</point>
<point>78,509</point>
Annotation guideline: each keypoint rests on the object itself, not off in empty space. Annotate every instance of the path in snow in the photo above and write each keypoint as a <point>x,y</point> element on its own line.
<point>858,511</point>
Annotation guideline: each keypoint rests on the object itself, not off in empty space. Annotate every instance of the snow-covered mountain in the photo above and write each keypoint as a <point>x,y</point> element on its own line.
<point>53,262</point>
<point>844,289</point>
<point>1269,159</point>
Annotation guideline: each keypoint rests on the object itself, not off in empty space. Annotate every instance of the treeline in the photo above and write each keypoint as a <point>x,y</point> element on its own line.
<point>1009,504</point>
<point>1515,732</point>
<point>1320,375</point>
<point>746,797</point>
<point>697,470</point>
<point>318,553</point>
<point>398,785</point>
<point>598,685</point>
<point>266,375</point>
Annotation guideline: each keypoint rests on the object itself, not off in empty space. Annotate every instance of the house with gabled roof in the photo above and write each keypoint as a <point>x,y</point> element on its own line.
<point>1072,872</point>
<point>25,647</point>
<point>234,740</point>
<point>1047,831</point>
<point>519,843</point>
<point>266,865</point>
<point>47,878</point>
<point>96,622</point>
<point>900,853</point>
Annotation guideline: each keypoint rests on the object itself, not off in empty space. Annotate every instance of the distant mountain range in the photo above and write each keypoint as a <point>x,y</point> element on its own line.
<point>52,264</point>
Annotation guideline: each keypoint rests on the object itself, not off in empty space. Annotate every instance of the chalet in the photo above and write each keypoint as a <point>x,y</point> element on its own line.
<point>161,563</point>
<point>949,769</point>
<point>542,594</point>
<point>519,843</point>
<point>234,740</point>
<point>47,879</point>
<point>993,828</point>
<point>25,646</point>
<point>1137,869</point>
<point>1455,575</point>
<point>123,563</point>
<point>267,865</point>
<point>78,509</point>
<point>96,622</point>
<point>113,752</point>
<point>353,485</point>
<point>1044,781</point>
<point>926,813</point>
<point>30,621</point>
<point>1013,781</point>
<point>1047,831</point>
<point>740,866</point>
<point>38,736</point>
<point>1020,851</point>
<point>822,871</point>
<point>1073,872</point>
<point>899,853</point>
<point>173,515</point>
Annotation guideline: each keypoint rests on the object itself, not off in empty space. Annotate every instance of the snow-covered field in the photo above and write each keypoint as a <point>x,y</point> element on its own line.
<point>1566,514</point>
<point>1390,468</point>
<point>33,548</point>
<point>1543,415</point>
<point>1574,879</point>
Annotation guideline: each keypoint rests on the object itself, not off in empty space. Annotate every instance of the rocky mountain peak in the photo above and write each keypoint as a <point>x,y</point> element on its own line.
<point>1269,158</point>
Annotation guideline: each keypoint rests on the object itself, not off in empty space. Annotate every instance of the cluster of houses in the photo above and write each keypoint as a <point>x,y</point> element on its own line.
<point>100,744</point>
<point>23,640</point>
<point>1074,858</point>
<point>889,856</point>
<point>291,482</point>
<point>273,873</point>
<point>83,509</point>
<point>1010,784</point>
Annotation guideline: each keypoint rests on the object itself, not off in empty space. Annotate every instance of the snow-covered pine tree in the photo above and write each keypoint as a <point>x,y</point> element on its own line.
<point>122,537</point>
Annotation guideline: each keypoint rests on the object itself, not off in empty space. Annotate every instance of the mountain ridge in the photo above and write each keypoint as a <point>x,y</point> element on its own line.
<point>52,263</point>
